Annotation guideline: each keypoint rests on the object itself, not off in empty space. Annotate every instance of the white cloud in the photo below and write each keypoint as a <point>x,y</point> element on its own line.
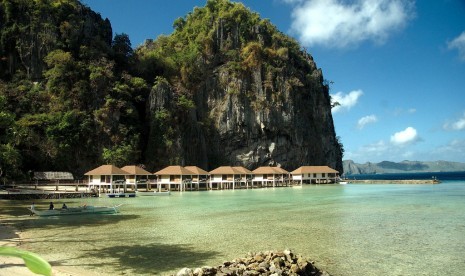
<point>292,1</point>
<point>453,151</point>
<point>407,155</point>
<point>347,101</point>
<point>459,124</point>
<point>402,111</point>
<point>459,44</point>
<point>380,151</point>
<point>371,152</point>
<point>406,136</point>
<point>362,122</point>
<point>338,23</point>
<point>378,147</point>
<point>454,146</point>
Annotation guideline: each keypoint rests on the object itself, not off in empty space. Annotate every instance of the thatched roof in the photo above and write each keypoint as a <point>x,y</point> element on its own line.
<point>243,170</point>
<point>106,170</point>
<point>174,170</point>
<point>135,170</point>
<point>225,170</point>
<point>53,176</point>
<point>314,169</point>
<point>196,170</point>
<point>269,170</point>
<point>230,170</point>
<point>281,170</point>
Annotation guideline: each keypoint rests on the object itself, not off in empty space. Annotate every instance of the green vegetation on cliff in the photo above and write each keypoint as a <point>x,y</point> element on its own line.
<point>72,96</point>
<point>68,97</point>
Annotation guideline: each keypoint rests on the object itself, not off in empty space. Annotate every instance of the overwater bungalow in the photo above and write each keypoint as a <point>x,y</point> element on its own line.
<point>270,177</point>
<point>136,176</point>
<point>199,178</point>
<point>224,177</point>
<point>315,175</point>
<point>244,178</point>
<point>283,176</point>
<point>106,178</point>
<point>173,178</point>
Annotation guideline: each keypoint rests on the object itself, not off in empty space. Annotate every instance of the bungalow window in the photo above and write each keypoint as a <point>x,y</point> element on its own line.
<point>323,174</point>
<point>225,177</point>
<point>314,175</point>
<point>172,177</point>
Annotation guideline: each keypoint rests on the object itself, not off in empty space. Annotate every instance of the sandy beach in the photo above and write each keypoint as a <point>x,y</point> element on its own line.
<point>15,266</point>
<point>12,265</point>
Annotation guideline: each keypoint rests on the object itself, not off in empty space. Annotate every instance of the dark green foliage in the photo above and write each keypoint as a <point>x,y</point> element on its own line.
<point>10,159</point>
<point>69,100</point>
<point>73,97</point>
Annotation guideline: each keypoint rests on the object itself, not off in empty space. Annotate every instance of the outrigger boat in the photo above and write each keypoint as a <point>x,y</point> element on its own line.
<point>81,210</point>
<point>154,193</point>
<point>113,195</point>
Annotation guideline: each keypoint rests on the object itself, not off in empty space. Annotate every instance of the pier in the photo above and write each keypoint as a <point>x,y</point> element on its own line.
<point>45,191</point>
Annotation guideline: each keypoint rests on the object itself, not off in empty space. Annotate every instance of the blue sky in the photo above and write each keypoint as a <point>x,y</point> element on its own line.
<point>397,67</point>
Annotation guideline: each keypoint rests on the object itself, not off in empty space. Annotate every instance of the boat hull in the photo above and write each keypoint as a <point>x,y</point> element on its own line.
<point>155,193</point>
<point>113,195</point>
<point>77,211</point>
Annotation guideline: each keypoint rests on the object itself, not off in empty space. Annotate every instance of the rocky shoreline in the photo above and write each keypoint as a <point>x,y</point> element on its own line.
<point>273,263</point>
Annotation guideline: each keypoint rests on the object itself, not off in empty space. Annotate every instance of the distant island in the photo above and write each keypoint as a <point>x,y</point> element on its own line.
<point>350,167</point>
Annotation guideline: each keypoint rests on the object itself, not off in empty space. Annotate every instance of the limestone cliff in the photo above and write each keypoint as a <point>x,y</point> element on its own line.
<point>251,97</point>
<point>225,88</point>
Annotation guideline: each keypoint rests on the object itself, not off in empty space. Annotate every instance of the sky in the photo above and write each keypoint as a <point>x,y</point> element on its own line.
<point>396,67</point>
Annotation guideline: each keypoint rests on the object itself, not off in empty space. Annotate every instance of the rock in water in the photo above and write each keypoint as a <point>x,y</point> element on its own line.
<point>268,263</point>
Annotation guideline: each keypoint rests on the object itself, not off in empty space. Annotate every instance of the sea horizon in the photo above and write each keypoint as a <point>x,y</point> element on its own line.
<point>453,175</point>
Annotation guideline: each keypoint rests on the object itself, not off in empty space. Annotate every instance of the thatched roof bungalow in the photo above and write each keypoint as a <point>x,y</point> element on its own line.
<point>106,176</point>
<point>270,176</point>
<point>173,177</point>
<point>315,175</point>
<point>199,177</point>
<point>136,175</point>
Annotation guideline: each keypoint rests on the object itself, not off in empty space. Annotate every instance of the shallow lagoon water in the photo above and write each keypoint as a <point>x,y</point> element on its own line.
<point>346,229</point>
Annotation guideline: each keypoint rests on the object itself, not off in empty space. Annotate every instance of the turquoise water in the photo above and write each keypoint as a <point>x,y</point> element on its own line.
<point>346,229</point>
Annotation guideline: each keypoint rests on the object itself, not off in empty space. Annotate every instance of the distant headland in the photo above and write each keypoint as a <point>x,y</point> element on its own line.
<point>350,167</point>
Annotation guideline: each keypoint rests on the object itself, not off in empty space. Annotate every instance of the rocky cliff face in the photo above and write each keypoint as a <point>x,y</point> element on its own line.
<point>225,88</point>
<point>32,29</point>
<point>250,117</point>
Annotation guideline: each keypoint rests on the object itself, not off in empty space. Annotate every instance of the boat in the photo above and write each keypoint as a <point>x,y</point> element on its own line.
<point>343,181</point>
<point>113,195</point>
<point>81,210</point>
<point>154,193</point>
